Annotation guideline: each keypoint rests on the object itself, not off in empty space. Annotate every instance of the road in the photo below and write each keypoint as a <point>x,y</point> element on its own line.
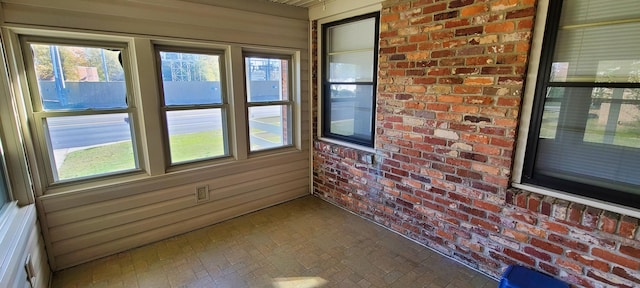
<point>82,131</point>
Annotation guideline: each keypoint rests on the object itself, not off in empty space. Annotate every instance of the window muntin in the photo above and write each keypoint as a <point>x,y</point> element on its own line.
<point>269,101</point>
<point>586,119</point>
<point>80,108</point>
<point>194,104</point>
<point>349,79</point>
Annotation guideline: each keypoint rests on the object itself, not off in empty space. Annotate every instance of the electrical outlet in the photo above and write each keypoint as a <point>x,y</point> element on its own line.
<point>202,194</point>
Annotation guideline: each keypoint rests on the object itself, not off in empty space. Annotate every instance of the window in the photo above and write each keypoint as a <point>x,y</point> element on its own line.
<point>80,108</point>
<point>194,104</point>
<point>269,101</point>
<point>585,127</point>
<point>349,79</point>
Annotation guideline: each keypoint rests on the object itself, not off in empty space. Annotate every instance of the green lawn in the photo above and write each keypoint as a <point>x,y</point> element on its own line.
<point>119,156</point>
<point>103,159</point>
<point>342,127</point>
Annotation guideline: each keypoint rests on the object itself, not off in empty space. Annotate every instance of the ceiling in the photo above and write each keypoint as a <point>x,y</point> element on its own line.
<point>298,3</point>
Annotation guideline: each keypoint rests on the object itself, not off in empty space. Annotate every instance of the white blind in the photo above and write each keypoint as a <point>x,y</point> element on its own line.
<point>598,41</point>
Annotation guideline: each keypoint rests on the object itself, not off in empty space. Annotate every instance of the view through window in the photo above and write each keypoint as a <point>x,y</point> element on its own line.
<point>81,110</point>
<point>588,105</point>
<point>269,103</point>
<point>195,110</point>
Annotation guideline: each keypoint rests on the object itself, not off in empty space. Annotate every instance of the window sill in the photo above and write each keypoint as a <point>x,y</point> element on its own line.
<point>140,182</point>
<point>349,145</point>
<point>15,228</point>
<point>624,210</point>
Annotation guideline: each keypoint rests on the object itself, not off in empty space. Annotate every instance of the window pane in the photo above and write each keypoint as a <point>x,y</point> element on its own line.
<point>190,79</point>
<point>79,78</point>
<point>589,55</point>
<point>267,79</point>
<point>91,145</point>
<point>596,135</point>
<point>195,134</point>
<point>351,110</point>
<point>352,36</point>
<point>269,127</point>
<point>614,117</point>
<point>351,67</point>
<point>595,11</point>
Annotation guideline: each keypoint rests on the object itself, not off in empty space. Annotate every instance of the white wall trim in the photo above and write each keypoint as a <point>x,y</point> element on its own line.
<point>529,90</point>
<point>327,8</point>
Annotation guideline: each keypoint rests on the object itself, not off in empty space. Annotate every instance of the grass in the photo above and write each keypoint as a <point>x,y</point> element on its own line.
<point>103,159</point>
<point>118,157</point>
<point>342,127</point>
<point>192,146</point>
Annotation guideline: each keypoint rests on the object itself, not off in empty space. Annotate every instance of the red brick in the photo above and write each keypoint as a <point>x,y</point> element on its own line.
<point>546,246</point>
<point>434,8</point>
<point>590,217</point>
<point>500,27</point>
<point>630,250</point>
<point>607,279</point>
<point>609,222</point>
<point>555,227</point>
<point>575,213</point>
<point>568,243</point>
<point>473,10</point>
<point>628,227</point>
<point>635,277</point>
<point>569,265</point>
<point>589,261</point>
<point>390,17</point>
<point>624,261</point>
<point>551,269</point>
<point>527,12</point>
<point>519,256</point>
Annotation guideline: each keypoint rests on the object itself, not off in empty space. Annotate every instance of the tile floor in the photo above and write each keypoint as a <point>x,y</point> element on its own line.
<point>302,243</point>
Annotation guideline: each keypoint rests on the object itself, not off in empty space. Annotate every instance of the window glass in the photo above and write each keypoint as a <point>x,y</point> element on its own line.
<point>195,111</point>
<point>195,134</point>
<point>190,78</point>
<point>269,103</point>
<point>349,79</point>
<point>89,145</point>
<point>78,78</point>
<point>81,105</point>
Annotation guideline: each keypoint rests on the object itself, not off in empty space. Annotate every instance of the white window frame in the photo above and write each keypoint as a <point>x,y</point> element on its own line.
<point>290,102</point>
<point>524,126</point>
<point>144,90</point>
<point>37,115</point>
<point>223,106</point>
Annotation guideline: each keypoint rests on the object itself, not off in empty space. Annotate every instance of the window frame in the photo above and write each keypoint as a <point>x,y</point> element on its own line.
<point>223,106</point>
<point>325,84</point>
<point>37,115</point>
<point>4,185</point>
<point>290,103</point>
<point>531,131</point>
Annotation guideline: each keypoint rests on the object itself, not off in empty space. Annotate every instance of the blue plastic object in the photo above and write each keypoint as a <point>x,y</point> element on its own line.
<point>523,277</point>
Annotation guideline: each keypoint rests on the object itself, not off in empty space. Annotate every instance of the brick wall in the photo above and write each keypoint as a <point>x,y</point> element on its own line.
<point>450,82</point>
